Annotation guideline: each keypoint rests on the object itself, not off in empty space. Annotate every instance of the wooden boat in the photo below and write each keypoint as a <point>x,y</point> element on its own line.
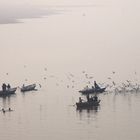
<point>28,88</point>
<point>87,104</point>
<point>8,92</point>
<point>92,90</point>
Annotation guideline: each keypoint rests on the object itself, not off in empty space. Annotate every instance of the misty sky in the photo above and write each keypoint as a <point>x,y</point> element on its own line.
<point>96,35</point>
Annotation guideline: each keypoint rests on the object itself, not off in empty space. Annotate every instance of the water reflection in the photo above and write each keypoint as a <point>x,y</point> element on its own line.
<point>6,101</point>
<point>88,114</point>
<point>91,109</point>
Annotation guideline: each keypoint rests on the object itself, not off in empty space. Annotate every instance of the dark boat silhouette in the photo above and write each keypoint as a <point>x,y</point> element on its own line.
<point>87,104</point>
<point>7,92</point>
<point>28,88</point>
<point>92,90</point>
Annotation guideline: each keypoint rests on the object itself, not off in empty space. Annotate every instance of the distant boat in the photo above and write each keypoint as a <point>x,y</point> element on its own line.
<point>87,104</point>
<point>92,90</point>
<point>7,92</point>
<point>28,88</point>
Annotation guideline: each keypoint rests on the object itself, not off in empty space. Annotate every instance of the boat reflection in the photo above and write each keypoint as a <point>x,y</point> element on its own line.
<point>88,115</point>
<point>90,109</point>
<point>6,101</point>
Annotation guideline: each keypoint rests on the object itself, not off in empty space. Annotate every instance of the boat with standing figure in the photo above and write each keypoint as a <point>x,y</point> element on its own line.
<point>8,92</point>
<point>92,90</point>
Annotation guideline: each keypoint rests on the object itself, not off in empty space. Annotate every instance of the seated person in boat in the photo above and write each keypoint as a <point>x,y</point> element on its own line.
<point>80,100</point>
<point>95,98</point>
<point>91,99</point>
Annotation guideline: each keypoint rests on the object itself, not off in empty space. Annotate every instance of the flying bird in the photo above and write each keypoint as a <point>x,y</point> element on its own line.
<point>113,72</point>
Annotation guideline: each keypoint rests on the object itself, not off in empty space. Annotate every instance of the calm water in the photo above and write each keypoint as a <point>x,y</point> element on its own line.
<point>59,46</point>
<point>50,114</point>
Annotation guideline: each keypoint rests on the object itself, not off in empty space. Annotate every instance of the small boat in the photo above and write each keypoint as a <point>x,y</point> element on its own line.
<point>95,89</point>
<point>7,92</point>
<point>92,90</point>
<point>28,88</point>
<point>87,104</point>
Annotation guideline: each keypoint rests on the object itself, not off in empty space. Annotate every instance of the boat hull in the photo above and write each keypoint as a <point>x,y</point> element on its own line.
<point>88,104</point>
<point>28,88</point>
<point>91,91</point>
<point>8,92</point>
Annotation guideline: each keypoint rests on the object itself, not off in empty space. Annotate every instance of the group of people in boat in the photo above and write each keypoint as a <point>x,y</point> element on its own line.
<point>5,87</point>
<point>92,98</point>
<point>89,99</point>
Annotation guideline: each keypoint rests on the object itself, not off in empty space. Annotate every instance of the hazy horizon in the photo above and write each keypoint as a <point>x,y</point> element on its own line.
<point>103,37</point>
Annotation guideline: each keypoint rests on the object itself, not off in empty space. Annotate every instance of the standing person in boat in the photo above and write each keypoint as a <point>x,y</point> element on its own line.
<point>8,86</point>
<point>96,86</point>
<point>4,87</point>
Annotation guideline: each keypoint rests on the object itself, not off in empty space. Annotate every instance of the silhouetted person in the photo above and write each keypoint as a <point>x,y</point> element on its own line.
<point>80,100</point>
<point>88,97</point>
<point>4,87</point>
<point>96,85</point>
<point>8,86</point>
<point>95,98</point>
<point>91,99</point>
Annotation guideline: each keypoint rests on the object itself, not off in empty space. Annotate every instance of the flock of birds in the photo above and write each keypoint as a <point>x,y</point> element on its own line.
<point>110,84</point>
<point>124,87</point>
<point>73,81</point>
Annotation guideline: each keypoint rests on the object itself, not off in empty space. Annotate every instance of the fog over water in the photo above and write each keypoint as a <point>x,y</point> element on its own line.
<point>63,46</point>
